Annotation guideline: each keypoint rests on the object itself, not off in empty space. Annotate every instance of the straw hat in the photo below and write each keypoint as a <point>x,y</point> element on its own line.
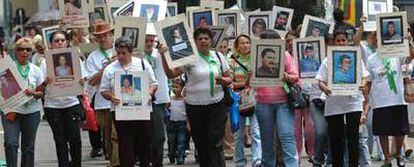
<point>101,28</point>
<point>24,42</point>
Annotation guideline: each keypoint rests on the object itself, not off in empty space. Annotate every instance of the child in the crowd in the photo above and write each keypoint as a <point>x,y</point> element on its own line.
<point>177,124</point>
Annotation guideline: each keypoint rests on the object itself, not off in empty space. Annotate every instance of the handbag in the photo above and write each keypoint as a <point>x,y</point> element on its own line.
<point>295,96</point>
<point>234,113</point>
<point>227,99</point>
<point>247,101</point>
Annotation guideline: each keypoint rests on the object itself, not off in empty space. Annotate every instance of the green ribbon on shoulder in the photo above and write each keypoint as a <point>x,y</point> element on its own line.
<point>210,61</point>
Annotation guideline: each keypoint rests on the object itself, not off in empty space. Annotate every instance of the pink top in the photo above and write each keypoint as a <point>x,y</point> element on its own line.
<point>274,95</point>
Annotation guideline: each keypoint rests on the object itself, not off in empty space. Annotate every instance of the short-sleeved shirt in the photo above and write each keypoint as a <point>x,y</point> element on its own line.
<point>161,95</point>
<point>94,63</point>
<point>108,76</point>
<point>381,95</point>
<point>198,80</point>
<point>34,79</point>
<point>239,73</point>
<point>336,105</point>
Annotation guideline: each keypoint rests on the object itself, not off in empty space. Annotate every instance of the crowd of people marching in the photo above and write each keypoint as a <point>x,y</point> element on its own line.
<point>188,102</point>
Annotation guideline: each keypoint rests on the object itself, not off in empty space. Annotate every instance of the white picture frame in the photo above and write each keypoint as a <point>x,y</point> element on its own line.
<point>46,33</point>
<point>125,10</point>
<point>113,6</point>
<point>371,8</point>
<point>308,56</point>
<point>267,76</point>
<point>281,11</point>
<point>99,12</point>
<point>257,20</point>
<point>182,49</point>
<point>344,70</point>
<point>134,103</point>
<point>15,96</point>
<point>325,28</point>
<point>64,68</point>
<point>74,15</point>
<point>155,9</point>
<point>232,19</point>
<point>202,17</point>
<point>396,44</point>
<point>133,27</point>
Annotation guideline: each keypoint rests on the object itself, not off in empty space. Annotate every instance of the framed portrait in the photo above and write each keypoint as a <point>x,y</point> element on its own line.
<point>308,56</point>
<point>392,28</point>
<point>172,9</point>
<point>132,89</point>
<point>212,4</point>
<point>231,20</point>
<point>12,86</point>
<point>373,7</point>
<point>125,10</point>
<point>63,67</point>
<point>132,27</point>
<point>219,34</point>
<point>47,33</point>
<point>176,34</point>
<point>258,22</point>
<point>201,18</point>
<point>74,13</point>
<point>344,63</point>
<point>267,62</point>
<point>152,10</point>
<point>99,12</point>
<point>281,19</point>
<point>315,27</point>
<point>86,49</point>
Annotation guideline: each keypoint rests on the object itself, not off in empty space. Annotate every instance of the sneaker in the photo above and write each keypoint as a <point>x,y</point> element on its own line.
<point>400,162</point>
<point>96,153</point>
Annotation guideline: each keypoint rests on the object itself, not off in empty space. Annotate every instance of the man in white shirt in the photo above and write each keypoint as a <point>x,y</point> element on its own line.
<point>161,98</point>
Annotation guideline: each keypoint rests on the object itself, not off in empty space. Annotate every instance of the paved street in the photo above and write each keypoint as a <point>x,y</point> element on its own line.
<point>46,156</point>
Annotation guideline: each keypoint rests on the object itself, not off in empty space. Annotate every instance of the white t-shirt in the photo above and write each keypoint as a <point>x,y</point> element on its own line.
<point>336,105</point>
<point>198,81</point>
<point>178,110</point>
<point>161,95</point>
<point>37,59</point>
<point>34,79</point>
<point>381,95</point>
<point>61,102</point>
<point>94,63</point>
<point>366,51</point>
<point>108,76</point>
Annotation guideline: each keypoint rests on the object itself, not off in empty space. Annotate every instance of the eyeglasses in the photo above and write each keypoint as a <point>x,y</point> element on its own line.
<point>24,49</point>
<point>102,36</point>
<point>59,40</point>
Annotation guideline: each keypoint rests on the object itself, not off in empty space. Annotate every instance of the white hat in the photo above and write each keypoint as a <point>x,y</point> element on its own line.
<point>150,29</point>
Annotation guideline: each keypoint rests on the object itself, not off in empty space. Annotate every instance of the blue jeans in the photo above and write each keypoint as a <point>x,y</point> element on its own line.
<point>364,156</point>
<point>26,124</point>
<point>278,117</point>
<point>176,139</point>
<point>321,147</point>
<point>256,142</point>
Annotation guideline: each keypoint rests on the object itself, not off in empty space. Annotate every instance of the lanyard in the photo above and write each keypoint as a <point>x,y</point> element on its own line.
<point>104,52</point>
<point>390,75</point>
<point>24,73</point>
<point>210,61</point>
<point>149,58</point>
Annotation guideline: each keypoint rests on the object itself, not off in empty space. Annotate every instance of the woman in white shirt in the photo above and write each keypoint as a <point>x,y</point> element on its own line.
<point>134,136</point>
<point>204,97</point>
<point>62,113</point>
<point>25,119</point>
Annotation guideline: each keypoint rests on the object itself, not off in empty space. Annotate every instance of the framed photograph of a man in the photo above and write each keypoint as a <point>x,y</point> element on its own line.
<point>201,18</point>
<point>308,53</point>
<point>344,77</point>
<point>373,7</point>
<point>152,10</point>
<point>219,34</point>
<point>12,86</point>
<point>258,22</point>
<point>267,62</point>
<point>172,9</point>
<point>74,13</point>
<point>63,67</point>
<point>134,30</point>
<point>281,19</point>
<point>230,19</point>
<point>47,32</point>
<point>391,33</point>
<point>132,89</point>
<point>315,27</point>
<point>175,33</point>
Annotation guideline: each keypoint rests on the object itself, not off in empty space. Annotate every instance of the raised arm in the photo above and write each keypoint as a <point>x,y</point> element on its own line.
<point>171,73</point>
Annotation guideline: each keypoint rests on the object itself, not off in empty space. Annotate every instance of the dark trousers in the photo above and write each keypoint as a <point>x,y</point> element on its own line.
<point>65,127</point>
<point>207,129</point>
<point>158,134</point>
<point>340,128</point>
<point>134,138</point>
<point>176,139</point>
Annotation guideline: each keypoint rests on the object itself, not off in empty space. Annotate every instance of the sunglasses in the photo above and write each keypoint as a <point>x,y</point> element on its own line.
<point>59,40</point>
<point>24,49</point>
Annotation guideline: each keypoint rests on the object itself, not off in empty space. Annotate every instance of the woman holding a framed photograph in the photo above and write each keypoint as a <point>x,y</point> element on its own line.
<point>204,97</point>
<point>25,119</point>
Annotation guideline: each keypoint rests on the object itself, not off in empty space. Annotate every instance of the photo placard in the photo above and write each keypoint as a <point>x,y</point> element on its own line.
<point>74,13</point>
<point>201,18</point>
<point>231,19</point>
<point>281,19</point>
<point>370,10</point>
<point>134,28</point>
<point>391,35</point>
<point>212,4</point>
<point>47,32</point>
<point>172,9</point>
<point>258,22</point>
<point>219,34</point>
<point>308,56</point>
<point>315,27</point>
